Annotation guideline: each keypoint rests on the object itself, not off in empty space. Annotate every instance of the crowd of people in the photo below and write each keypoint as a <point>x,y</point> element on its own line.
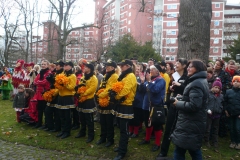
<point>188,102</point>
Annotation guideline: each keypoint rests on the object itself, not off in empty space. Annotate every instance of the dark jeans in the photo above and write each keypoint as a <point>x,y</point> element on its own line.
<point>49,113</point>
<point>234,122</point>
<point>65,116</point>
<point>75,117</point>
<point>171,116</point>
<point>86,120</point>
<point>137,117</point>
<point>123,142</point>
<point>179,154</point>
<point>107,127</point>
<point>214,125</point>
<point>41,105</point>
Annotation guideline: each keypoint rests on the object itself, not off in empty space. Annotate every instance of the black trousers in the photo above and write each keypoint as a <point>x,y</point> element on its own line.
<point>65,116</point>
<point>75,117</point>
<point>214,125</point>
<point>107,127</point>
<point>123,142</point>
<point>137,117</point>
<point>86,120</point>
<point>49,114</point>
<point>172,113</point>
<point>57,119</point>
<point>41,105</point>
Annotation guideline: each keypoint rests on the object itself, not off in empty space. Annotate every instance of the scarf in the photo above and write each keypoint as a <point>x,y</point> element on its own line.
<point>68,73</point>
<point>42,72</point>
<point>124,73</point>
<point>105,79</point>
<point>88,76</point>
<point>231,71</point>
<point>59,71</point>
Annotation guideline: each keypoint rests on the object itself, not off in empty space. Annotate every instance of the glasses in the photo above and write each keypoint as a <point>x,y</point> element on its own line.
<point>190,67</point>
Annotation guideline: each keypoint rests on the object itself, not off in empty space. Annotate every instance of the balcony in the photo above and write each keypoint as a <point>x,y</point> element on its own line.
<point>232,20</point>
<point>232,12</point>
<point>231,38</point>
<point>231,29</point>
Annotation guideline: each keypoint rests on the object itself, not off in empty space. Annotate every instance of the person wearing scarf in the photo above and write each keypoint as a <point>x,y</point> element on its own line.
<point>154,87</point>
<point>231,68</point>
<point>124,109</point>
<point>18,76</point>
<point>52,112</point>
<point>42,85</point>
<point>106,116</point>
<point>66,100</point>
<point>87,107</point>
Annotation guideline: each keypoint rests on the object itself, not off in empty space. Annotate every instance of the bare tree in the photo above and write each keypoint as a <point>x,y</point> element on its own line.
<point>64,10</point>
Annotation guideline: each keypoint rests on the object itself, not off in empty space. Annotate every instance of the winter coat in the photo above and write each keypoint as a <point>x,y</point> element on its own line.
<point>19,100</point>
<point>179,89</point>
<point>42,85</point>
<point>156,90</point>
<point>191,122</point>
<point>138,100</point>
<point>232,101</point>
<point>215,103</point>
<point>226,80</point>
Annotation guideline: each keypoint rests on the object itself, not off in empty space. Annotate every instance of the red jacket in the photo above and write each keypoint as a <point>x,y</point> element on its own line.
<point>42,85</point>
<point>32,110</point>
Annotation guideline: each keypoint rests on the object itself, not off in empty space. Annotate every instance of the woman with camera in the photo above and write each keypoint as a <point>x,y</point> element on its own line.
<point>176,88</point>
<point>191,120</point>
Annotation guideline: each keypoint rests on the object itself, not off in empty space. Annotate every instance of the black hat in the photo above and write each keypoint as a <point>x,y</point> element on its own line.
<point>157,67</point>
<point>90,66</point>
<point>59,62</point>
<point>163,63</point>
<point>134,58</point>
<point>151,59</point>
<point>111,63</point>
<point>126,62</point>
<point>70,63</point>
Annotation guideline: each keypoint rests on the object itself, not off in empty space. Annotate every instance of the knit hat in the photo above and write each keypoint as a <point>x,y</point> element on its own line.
<point>90,66</point>
<point>236,78</point>
<point>218,83</point>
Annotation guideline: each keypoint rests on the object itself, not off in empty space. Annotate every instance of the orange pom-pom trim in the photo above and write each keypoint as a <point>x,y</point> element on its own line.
<point>82,89</point>
<point>48,95</point>
<point>103,102</point>
<point>60,81</point>
<point>99,91</point>
<point>117,87</point>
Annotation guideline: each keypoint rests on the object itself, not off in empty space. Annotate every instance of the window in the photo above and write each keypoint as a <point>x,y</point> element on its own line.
<point>40,49</point>
<point>76,50</point>
<point>129,22</point>
<point>130,6</point>
<point>216,31</point>
<point>129,29</point>
<point>150,18</point>
<point>69,50</point>
<point>149,26</point>
<point>149,34</point>
<point>216,41</point>
<point>171,24</point>
<point>40,44</point>
<point>69,55</point>
<point>215,50</point>
<point>170,49</point>
<point>217,5</point>
<point>122,8</point>
<point>171,7</point>
<point>171,41</point>
<point>172,15</point>
<point>113,17</point>
<point>217,14</point>
<point>86,33</point>
<point>129,14</point>
<point>171,32</point>
<point>216,23</point>
<point>112,10</point>
<point>171,58</point>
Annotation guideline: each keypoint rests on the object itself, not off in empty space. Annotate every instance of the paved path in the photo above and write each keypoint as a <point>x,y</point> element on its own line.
<point>11,151</point>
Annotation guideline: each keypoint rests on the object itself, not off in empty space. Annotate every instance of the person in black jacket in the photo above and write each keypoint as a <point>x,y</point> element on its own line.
<point>214,110</point>
<point>232,103</point>
<point>176,88</point>
<point>191,122</point>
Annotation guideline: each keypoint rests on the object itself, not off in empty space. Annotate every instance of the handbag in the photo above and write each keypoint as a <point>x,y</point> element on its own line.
<point>157,115</point>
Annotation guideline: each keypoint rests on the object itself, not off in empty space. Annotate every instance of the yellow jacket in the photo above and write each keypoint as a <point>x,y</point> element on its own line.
<point>91,85</point>
<point>129,89</point>
<point>167,79</point>
<point>69,90</point>
<point>110,81</point>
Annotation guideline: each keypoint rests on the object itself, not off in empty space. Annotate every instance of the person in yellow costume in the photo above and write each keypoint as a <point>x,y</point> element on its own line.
<point>66,100</point>
<point>86,106</point>
<point>125,97</point>
<point>105,110</point>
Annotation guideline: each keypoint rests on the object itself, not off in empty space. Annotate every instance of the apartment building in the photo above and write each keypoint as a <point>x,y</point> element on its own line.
<point>231,25</point>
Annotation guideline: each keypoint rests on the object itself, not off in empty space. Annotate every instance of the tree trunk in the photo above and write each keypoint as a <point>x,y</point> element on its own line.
<point>194,24</point>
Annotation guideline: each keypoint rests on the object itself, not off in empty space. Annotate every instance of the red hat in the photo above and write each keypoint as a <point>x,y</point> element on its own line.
<point>20,61</point>
<point>218,83</point>
<point>29,64</point>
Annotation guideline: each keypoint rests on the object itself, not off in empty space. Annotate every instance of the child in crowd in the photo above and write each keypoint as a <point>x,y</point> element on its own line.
<point>232,103</point>
<point>19,102</point>
<point>30,111</point>
<point>214,110</point>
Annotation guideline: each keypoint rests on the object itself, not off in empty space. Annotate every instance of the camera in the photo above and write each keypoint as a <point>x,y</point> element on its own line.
<point>172,99</point>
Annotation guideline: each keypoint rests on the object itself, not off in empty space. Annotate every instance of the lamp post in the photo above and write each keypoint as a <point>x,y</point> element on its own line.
<point>238,58</point>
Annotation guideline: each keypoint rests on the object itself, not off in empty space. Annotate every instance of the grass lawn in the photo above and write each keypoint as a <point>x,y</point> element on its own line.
<point>22,133</point>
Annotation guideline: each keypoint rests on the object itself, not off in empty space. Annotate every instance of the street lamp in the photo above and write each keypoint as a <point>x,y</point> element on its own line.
<point>238,58</point>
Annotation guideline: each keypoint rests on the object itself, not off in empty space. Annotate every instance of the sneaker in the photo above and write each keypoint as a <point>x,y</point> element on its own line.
<point>237,146</point>
<point>232,145</point>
